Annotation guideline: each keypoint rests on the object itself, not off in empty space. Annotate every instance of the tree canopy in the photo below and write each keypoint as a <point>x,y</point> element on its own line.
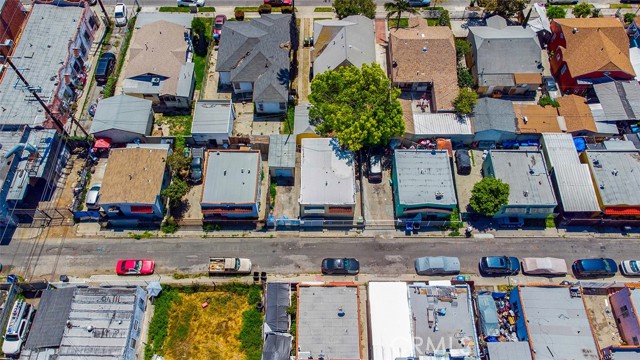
<point>556,12</point>
<point>465,101</point>
<point>463,47</point>
<point>346,8</point>
<point>504,8</point>
<point>582,10</point>
<point>358,106</point>
<point>396,8</point>
<point>488,195</point>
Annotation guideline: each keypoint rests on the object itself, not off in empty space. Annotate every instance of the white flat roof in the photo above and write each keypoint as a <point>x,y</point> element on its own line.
<point>390,321</point>
<point>327,176</point>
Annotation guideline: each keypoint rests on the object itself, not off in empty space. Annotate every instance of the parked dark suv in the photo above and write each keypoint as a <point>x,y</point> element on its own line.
<point>603,267</point>
<point>499,266</point>
<point>104,68</point>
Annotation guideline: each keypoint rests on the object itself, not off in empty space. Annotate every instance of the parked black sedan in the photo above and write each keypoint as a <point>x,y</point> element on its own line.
<point>342,266</point>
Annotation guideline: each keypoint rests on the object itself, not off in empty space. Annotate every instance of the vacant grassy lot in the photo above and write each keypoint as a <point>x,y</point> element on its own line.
<point>228,328</point>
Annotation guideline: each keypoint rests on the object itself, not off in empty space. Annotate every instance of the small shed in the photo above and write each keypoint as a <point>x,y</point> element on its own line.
<point>122,119</point>
<point>213,122</point>
<point>282,156</point>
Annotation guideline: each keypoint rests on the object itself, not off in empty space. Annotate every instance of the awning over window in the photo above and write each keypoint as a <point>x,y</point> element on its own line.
<point>142,209</point>
<point>622,211</point>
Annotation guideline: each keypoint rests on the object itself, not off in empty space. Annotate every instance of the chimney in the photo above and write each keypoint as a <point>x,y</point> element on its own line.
<point>76,52</point>
<point>67,78</point>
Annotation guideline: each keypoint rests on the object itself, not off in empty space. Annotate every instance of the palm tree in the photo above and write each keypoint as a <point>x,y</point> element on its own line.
<point>396,8</point>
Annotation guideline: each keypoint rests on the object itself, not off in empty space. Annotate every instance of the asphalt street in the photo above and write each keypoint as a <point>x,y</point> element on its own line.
<point>47,259</point>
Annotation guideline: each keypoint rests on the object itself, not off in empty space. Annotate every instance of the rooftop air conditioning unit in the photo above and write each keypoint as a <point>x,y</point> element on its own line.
<point>155,81</point>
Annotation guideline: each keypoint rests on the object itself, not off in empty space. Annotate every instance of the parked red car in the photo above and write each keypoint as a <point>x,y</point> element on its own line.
<point>278,2</point>
<point>135,267</point>
<point>217,26</point>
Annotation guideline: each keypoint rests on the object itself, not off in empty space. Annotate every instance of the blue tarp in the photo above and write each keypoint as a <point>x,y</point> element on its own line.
<point>580,144</point>
<point>488,315</point>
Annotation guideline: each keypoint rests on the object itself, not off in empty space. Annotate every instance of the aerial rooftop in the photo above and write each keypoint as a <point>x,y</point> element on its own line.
<point>443,315</point>
<point>328,322</point>
<point>40,59</point>
<point>424,176</point>
<point>327,175</point>
<point>527,176</point>
<point>615,174</point>
<point>231,176</point>
<point>557,324</point>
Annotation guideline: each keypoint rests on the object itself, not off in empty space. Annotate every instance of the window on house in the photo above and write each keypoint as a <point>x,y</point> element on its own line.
<point>236,86</point>
<point>141,304</point>
<point>83,49</point>
<point>553,37</point>
<point>92,22</point>
<point>561,36</point>
<point>564,69</point>
<point>87,36</point>
<point>283,106</point>
<point>135,325</point>
<point>132,344</point>
<point>558,56</point>
<point>260,107</point>
<point>169,98</point>
<point>635,340</point>
<point>624,311</point>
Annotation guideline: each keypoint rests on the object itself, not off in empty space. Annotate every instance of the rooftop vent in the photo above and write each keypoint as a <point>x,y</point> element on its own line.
<point>155,81</point>
<point>439,194</point>
<point>614,172</point>
<point>525,119</point>
<point>525,193</point>
<point>575,30</point>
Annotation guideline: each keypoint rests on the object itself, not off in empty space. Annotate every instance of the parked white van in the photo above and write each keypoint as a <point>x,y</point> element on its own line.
<point>21,317</point>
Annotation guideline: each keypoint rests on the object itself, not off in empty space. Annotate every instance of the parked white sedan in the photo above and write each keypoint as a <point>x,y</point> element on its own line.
<point>630,267</point>
<point>544,266</point>
<point>120,14</point>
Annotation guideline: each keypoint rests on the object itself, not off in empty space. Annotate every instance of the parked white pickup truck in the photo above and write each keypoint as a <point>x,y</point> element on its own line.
<point>219,266</point>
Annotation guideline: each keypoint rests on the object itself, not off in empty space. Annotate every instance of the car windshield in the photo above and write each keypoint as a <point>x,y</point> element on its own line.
<point>237,264</point>
<point>119,14</point>
<point>138,265</point>
<point>634,266</point>
<point>607,266</point>
<point>11,337</point>
<point>123,267</point>
<point>218,25</point>
<point>347,264</point>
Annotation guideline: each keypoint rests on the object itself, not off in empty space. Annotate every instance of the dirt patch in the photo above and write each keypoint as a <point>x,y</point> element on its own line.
<point>465,183</point>
<point>197,333</point>
<point>601,316</point>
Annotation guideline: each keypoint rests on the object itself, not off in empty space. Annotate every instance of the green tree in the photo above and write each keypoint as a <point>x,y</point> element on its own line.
<point>465,79</point>
<point>465,101</point>
<point>202,35</point>
<point>346,8</point>
<point>582,10</point>
<point>546,100</point>
<point>488,195</point>
<point>178,163</point>
<point>358,106</point>
<point>628,18</point>
<point>175,192</point>
<point>556,12</point>
<point>504,8</point>
<point>462,48</point>
<point>396,8</point>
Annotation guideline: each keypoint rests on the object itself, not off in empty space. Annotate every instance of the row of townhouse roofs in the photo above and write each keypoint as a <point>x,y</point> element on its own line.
<point>589,187</point>
<point>443,319</point>
<point>159,77</point>
<point>435,319</point>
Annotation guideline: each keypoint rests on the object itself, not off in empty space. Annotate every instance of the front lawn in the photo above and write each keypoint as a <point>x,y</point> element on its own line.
<point>178,124</point>
<point>404,22</point>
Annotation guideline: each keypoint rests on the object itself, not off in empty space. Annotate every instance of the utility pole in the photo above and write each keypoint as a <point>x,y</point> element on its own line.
<point>106,15</point>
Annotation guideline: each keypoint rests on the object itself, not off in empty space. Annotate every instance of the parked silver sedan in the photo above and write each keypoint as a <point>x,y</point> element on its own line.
<point>630,267</point>
<point>437,265</point>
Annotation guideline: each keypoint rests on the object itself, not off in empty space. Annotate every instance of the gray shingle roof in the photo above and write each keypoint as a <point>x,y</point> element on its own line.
<point>494,114</point>
<point>49,324</point>
<point>620,100</point>
<point>501,49</point>
<point>347,41</point>
<point>258,51</point>
<point>573,180</point>
<point>122,112</point>
<point>39,57</point>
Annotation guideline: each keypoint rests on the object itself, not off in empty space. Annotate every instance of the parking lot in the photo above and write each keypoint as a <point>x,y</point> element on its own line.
<point>465,183</point>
